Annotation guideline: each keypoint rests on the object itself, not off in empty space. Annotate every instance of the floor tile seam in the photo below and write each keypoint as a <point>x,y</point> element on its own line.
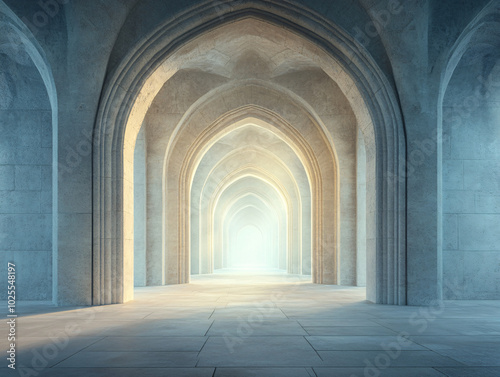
<point>148,336</point>
<point>211,314</point>
<point>422,345</point>
<point>419,351</point>
<point>136,351</point>
<point>471,367</point>
<point>388,328</point>
<point>388,368</point>
<point>390,335</point>
<point>300,324</point>
<point>402,351</point>
<point>128,367</point>
<point>443,373</point>
<point>317,353</point>
<point>363,350</point>
<point>264,366</point>
<point>147,315</point>
<point>264,336</point>
<point>73,354</point>
<point>203,346</point>
<point>452,358</point>
<point>312,372</point>
<point>209,327</point>
<point>460,335</point>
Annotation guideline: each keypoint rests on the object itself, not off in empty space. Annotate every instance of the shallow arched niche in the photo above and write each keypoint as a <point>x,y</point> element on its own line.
<point>18,42</point>
<point>469,83</point>
<point>483,28</point>
<point>130,89</point>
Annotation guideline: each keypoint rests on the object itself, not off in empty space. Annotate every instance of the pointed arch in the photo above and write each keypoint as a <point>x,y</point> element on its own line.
<point>131,88</point>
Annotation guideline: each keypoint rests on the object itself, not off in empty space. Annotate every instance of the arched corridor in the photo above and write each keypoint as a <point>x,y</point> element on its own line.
<point>250,187</point>
<point>243,113</point>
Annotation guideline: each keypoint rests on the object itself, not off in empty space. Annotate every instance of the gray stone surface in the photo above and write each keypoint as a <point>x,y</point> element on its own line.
<point>126,372</point>
<point>473,158</point>
<point>26,177</point>
<point>258,351</point>
<point>424,212</point>
<point>262,372</point>
<point>26,232</point>
<point>130,359</point>
<point>149,344</point>
<point>34,272</point>
<point>354,342</point>
<point>477,232</point>
<point>8,177</point>
<point>392,372</point>
<point>460,338</point>
<point>407,359</point>
<point>470,372</point>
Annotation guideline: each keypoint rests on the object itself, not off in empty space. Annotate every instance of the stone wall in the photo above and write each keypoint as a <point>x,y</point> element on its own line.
<point>25,176</point>
<point>471,180</point>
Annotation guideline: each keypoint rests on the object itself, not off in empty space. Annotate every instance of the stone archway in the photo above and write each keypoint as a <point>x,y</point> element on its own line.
<point>29,162</point>
<point>240,180</point>
<point>467,124</point>
<point>275,223</point>
<point>341,58</point>
<point>323,198</point>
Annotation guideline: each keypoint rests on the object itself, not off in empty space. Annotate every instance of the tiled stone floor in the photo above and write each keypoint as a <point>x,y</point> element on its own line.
<point>262,326</point>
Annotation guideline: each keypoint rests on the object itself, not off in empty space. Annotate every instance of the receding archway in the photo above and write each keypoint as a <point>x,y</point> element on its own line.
<point>377,116</point>
<point>249,159</point>
<point>254,212</point>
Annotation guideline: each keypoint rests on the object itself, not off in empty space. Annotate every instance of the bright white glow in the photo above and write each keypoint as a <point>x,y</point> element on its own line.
<point>250,250</point>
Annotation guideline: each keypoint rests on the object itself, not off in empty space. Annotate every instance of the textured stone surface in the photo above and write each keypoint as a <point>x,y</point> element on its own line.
<point>25,179</point>
<point>399,72</point>
<point>228,329</point>
<point>471,182</point>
